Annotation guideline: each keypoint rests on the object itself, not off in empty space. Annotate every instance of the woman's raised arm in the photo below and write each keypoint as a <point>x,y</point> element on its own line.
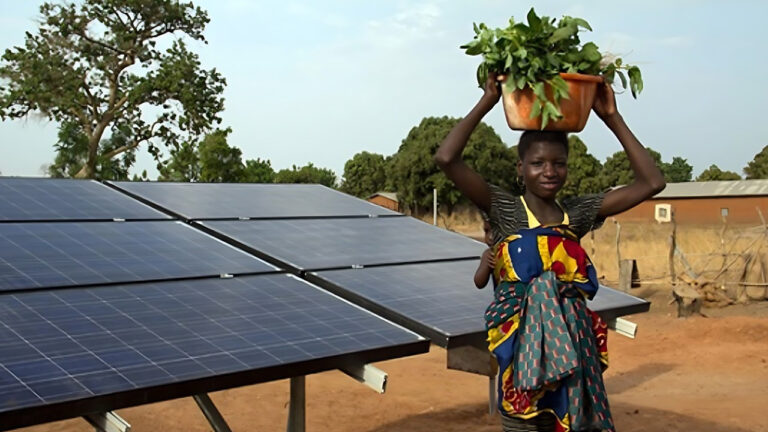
<point>448,155</point>
<point>648,178</point>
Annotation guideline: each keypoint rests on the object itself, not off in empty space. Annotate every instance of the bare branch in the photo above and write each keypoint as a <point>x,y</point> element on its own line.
<point>83,35</point>
<point>123,149</point>
<point>83,121</point>
<point>93,103</point>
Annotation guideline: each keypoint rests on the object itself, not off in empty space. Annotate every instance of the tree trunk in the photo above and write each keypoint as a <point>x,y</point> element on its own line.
<point>89,169</point>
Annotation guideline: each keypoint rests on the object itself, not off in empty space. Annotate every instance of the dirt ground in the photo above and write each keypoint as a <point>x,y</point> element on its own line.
<point>696,374</point>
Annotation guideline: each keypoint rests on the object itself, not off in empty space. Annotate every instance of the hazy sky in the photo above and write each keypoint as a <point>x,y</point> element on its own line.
<point>312,81</point>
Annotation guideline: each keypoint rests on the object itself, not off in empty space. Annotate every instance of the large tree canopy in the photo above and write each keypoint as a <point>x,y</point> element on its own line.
<point>306,174</point>
<point>617,171</point>
<point>414,174</point>
<point>757,168</point>
<point>714,173</point>
<point>364,174</point>
<point>583,170</point>
<point>97,66</point>
<point>214,160</point>
<point>258,171</point>
<point>677,171</point>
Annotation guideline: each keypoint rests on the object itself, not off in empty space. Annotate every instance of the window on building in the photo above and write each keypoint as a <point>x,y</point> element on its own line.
<point>724,212</point>
<point>662,212</point>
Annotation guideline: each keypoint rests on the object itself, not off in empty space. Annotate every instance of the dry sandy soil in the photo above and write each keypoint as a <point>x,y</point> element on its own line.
<point>695,374</point>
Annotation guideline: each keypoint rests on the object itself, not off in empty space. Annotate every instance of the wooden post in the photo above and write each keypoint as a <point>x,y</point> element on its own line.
<point>688,300</point>
<point>627,274</point>
<point>722,240</point>
<point>672,247</point>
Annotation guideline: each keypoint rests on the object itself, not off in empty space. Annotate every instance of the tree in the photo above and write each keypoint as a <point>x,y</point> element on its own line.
<point>758,167</point>
<point>583,170</point>
<point>364,174</point>
<point>713,173</point>
<point>413,172</point>
<point>306,174</point>
<point>214,161</point>
<point>97,66</point>
<point>183,165</point>
<point>617,171</point>
<point>220,163</point>
<point>72,151</point>
<point>677,171</point>
<point>258,171</point>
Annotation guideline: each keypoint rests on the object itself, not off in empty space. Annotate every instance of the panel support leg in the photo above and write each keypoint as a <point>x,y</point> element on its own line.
<point>107,422</point>
<point>297,406</point>
<point>492,395</point>
<point>210,412</point>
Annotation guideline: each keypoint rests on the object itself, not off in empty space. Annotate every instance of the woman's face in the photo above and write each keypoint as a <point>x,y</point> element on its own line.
<point>544,168</point>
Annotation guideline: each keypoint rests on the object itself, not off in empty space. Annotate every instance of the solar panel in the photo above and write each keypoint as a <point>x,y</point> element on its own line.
<point>34,199</point>
<point>610,303</point>
<point>245,200</point>
<point>37,255</point>
<point>439,300</point>
<point>73,351</point>
<point>314,244</point>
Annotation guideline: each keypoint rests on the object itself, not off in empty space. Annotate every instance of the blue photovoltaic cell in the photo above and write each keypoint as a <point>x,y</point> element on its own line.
<point>36,255</point>
<point>73,344</point>
<point>313,244</point>
<point>247,200</point>
<point>33,199</point>
<point>610,303</point>
<point>440,299</point>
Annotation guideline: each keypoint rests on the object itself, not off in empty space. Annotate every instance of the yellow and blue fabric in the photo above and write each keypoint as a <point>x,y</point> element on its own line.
<point>550,348</point>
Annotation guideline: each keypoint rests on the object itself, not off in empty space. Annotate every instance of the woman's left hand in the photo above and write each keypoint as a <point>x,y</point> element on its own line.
<point>605,101</point>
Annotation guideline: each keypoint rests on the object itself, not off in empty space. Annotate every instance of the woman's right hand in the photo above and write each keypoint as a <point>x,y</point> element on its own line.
<point>492,92</point>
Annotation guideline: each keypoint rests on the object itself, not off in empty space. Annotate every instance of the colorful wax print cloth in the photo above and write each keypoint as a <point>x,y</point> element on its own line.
<point>551,349</point>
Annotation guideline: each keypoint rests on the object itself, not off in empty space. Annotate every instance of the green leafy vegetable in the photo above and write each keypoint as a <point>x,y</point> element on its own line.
<point>536,53</point>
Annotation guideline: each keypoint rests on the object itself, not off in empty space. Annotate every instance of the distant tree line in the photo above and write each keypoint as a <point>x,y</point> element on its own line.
<point>412,174</point>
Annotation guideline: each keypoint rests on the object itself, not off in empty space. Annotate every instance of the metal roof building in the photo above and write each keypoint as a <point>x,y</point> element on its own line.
<point>736,201</point>
<point>715,189</point>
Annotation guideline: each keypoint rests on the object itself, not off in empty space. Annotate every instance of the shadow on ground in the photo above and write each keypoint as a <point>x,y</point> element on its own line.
<point>628,418</point>
<point>617,384</point>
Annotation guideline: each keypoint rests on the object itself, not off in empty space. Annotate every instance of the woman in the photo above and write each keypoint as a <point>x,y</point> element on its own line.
<point>549,346</point>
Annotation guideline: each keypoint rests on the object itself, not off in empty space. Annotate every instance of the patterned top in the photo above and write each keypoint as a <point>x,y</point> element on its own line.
<point>509,214</point>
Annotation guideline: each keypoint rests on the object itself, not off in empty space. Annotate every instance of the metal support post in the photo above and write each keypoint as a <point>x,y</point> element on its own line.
<point>297,407</point>
<point>491,395</point>
<point>434,206</point>
<point>107,422</point>
<point>210,412</point>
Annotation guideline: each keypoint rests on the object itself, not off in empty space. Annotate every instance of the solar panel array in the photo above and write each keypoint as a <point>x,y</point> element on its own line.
<point>99,315</point>
<point>38,255</point>
<point>165,324</point>
<point>256,201</point>
<point>60,347</point>
<point>439,300</point>
<point>34,199</point>
<point>314,244</point>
